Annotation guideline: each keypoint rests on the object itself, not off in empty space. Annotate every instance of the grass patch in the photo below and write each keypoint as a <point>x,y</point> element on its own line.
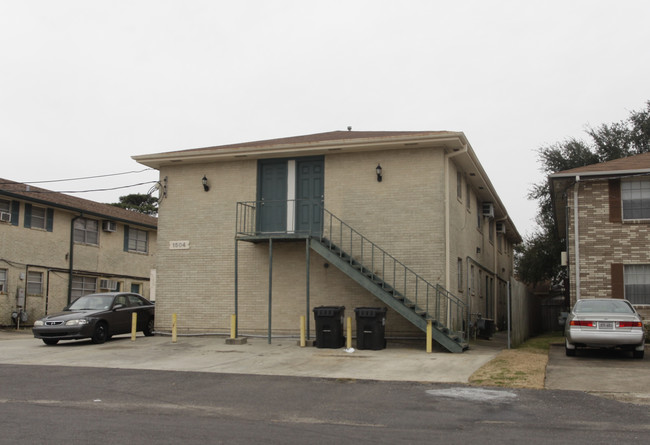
<point>541,343</point>
<point>521,367</point>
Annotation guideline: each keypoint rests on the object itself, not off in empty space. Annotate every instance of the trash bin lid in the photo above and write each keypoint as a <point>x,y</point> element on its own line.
<point>328,311</point>
<point>370,311</point>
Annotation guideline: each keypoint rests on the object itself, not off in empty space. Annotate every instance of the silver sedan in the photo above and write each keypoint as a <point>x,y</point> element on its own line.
<point>604,323</point>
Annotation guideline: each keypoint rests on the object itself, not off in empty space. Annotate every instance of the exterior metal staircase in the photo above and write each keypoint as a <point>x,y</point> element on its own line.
<point>417,309</point>
<point>396,285</point>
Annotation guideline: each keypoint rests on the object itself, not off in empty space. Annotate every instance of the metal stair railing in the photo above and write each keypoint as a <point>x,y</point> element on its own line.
<point>246,219</point>
<point>448,313</point>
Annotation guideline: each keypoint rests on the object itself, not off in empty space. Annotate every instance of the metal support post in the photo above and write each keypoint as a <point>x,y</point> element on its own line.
<point>270,286</point>
<point>308,256</point>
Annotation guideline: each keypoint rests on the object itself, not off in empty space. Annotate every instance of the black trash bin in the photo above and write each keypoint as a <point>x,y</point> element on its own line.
<point>485,328</point>
<point>371,327</point>
<point>329,326</point>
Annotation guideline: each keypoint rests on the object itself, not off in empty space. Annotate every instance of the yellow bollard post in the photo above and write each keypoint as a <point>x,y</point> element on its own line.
<point>429,336</point>
<point>134,325</point>
<point>233,324</point>
<point>303,343</point>
<point>173,328</point>
<point>349,339</point>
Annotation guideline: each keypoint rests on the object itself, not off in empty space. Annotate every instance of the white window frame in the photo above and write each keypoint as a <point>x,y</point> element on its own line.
<point>136,241</point>
<point>84,232</point>
<point>635,190</point>
<point>82,285</point>
<point>3,281</point>
<point>38,221</point>
<point>637,275</point>
<point>34,279</point>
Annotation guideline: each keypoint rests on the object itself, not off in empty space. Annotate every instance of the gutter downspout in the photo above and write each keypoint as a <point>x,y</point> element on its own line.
<point>448,157</point>
<point>576,235</point>
<point>567,232</point>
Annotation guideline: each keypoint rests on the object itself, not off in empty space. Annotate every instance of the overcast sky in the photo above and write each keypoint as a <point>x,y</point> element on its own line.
<point>84,85</point>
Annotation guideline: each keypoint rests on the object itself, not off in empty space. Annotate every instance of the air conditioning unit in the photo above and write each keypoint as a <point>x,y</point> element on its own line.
<point>108,284</point>
<point>488,209</point>
<point>501,227</point>
<point>109,226</point>
<point>5,216</point>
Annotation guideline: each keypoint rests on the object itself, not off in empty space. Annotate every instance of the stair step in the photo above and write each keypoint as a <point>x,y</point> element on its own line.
<point>417,315</point>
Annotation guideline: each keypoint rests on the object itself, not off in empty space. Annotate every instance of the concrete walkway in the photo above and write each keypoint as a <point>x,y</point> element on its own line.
<point>400,361</point>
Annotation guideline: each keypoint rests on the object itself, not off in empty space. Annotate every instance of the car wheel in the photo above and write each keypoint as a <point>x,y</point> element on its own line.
<point>638,354</point>
<point>148,330</point>
<point>50,341</point>
<point>101,333</point>
<point>569,352</point>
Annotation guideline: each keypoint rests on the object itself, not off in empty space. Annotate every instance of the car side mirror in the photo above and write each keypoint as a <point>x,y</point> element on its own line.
<point>67,308</point>
<point>118,306</point>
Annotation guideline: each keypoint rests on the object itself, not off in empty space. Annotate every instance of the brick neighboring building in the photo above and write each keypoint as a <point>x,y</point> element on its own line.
<point>55,248</point>
<point>604,210</point>
<point>258,231</point>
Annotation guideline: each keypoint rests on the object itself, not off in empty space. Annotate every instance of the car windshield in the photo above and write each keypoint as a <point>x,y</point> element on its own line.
<point>615,306</point>
<point>92,302</point>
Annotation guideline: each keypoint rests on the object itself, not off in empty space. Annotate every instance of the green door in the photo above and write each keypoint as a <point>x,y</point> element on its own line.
<point>309,195</point>
<point>272,196</point>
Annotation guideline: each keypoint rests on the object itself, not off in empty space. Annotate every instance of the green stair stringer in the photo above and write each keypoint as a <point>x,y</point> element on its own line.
<point>391,298</point>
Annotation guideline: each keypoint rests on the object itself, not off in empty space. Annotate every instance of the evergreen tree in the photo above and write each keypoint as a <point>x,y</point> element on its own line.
<point>139,202</point>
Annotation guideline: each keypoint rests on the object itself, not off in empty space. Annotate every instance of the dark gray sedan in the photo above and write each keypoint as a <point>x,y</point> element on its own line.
<point>98,317</point>
<point>604,323</point>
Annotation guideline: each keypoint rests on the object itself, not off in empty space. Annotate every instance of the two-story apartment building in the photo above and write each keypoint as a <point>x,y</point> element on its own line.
<point>271,229</point>
<point>604,212</point>
<point>55,248</point>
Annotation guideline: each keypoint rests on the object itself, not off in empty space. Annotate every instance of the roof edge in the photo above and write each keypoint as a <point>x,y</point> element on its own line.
<point>283,147</point>
<point>560,175</point>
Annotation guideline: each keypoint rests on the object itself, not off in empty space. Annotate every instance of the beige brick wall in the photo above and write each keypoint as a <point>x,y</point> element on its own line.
<point>602,243</point>
<point>404,214</point>
<point>490,257</point>
<point>25,250</point>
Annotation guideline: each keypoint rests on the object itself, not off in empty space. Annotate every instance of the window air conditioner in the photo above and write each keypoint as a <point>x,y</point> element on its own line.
<point>501,227</point>
<point>488,209</point>
<point>109,226</point>
<point>108,284</point>
<point>5,216</point>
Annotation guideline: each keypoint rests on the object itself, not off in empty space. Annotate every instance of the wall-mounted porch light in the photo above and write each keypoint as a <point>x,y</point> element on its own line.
<point>379,173</point>
<point>204,181</point>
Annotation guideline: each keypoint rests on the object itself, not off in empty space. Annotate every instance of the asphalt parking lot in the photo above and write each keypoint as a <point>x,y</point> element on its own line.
<point>612,374</point>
